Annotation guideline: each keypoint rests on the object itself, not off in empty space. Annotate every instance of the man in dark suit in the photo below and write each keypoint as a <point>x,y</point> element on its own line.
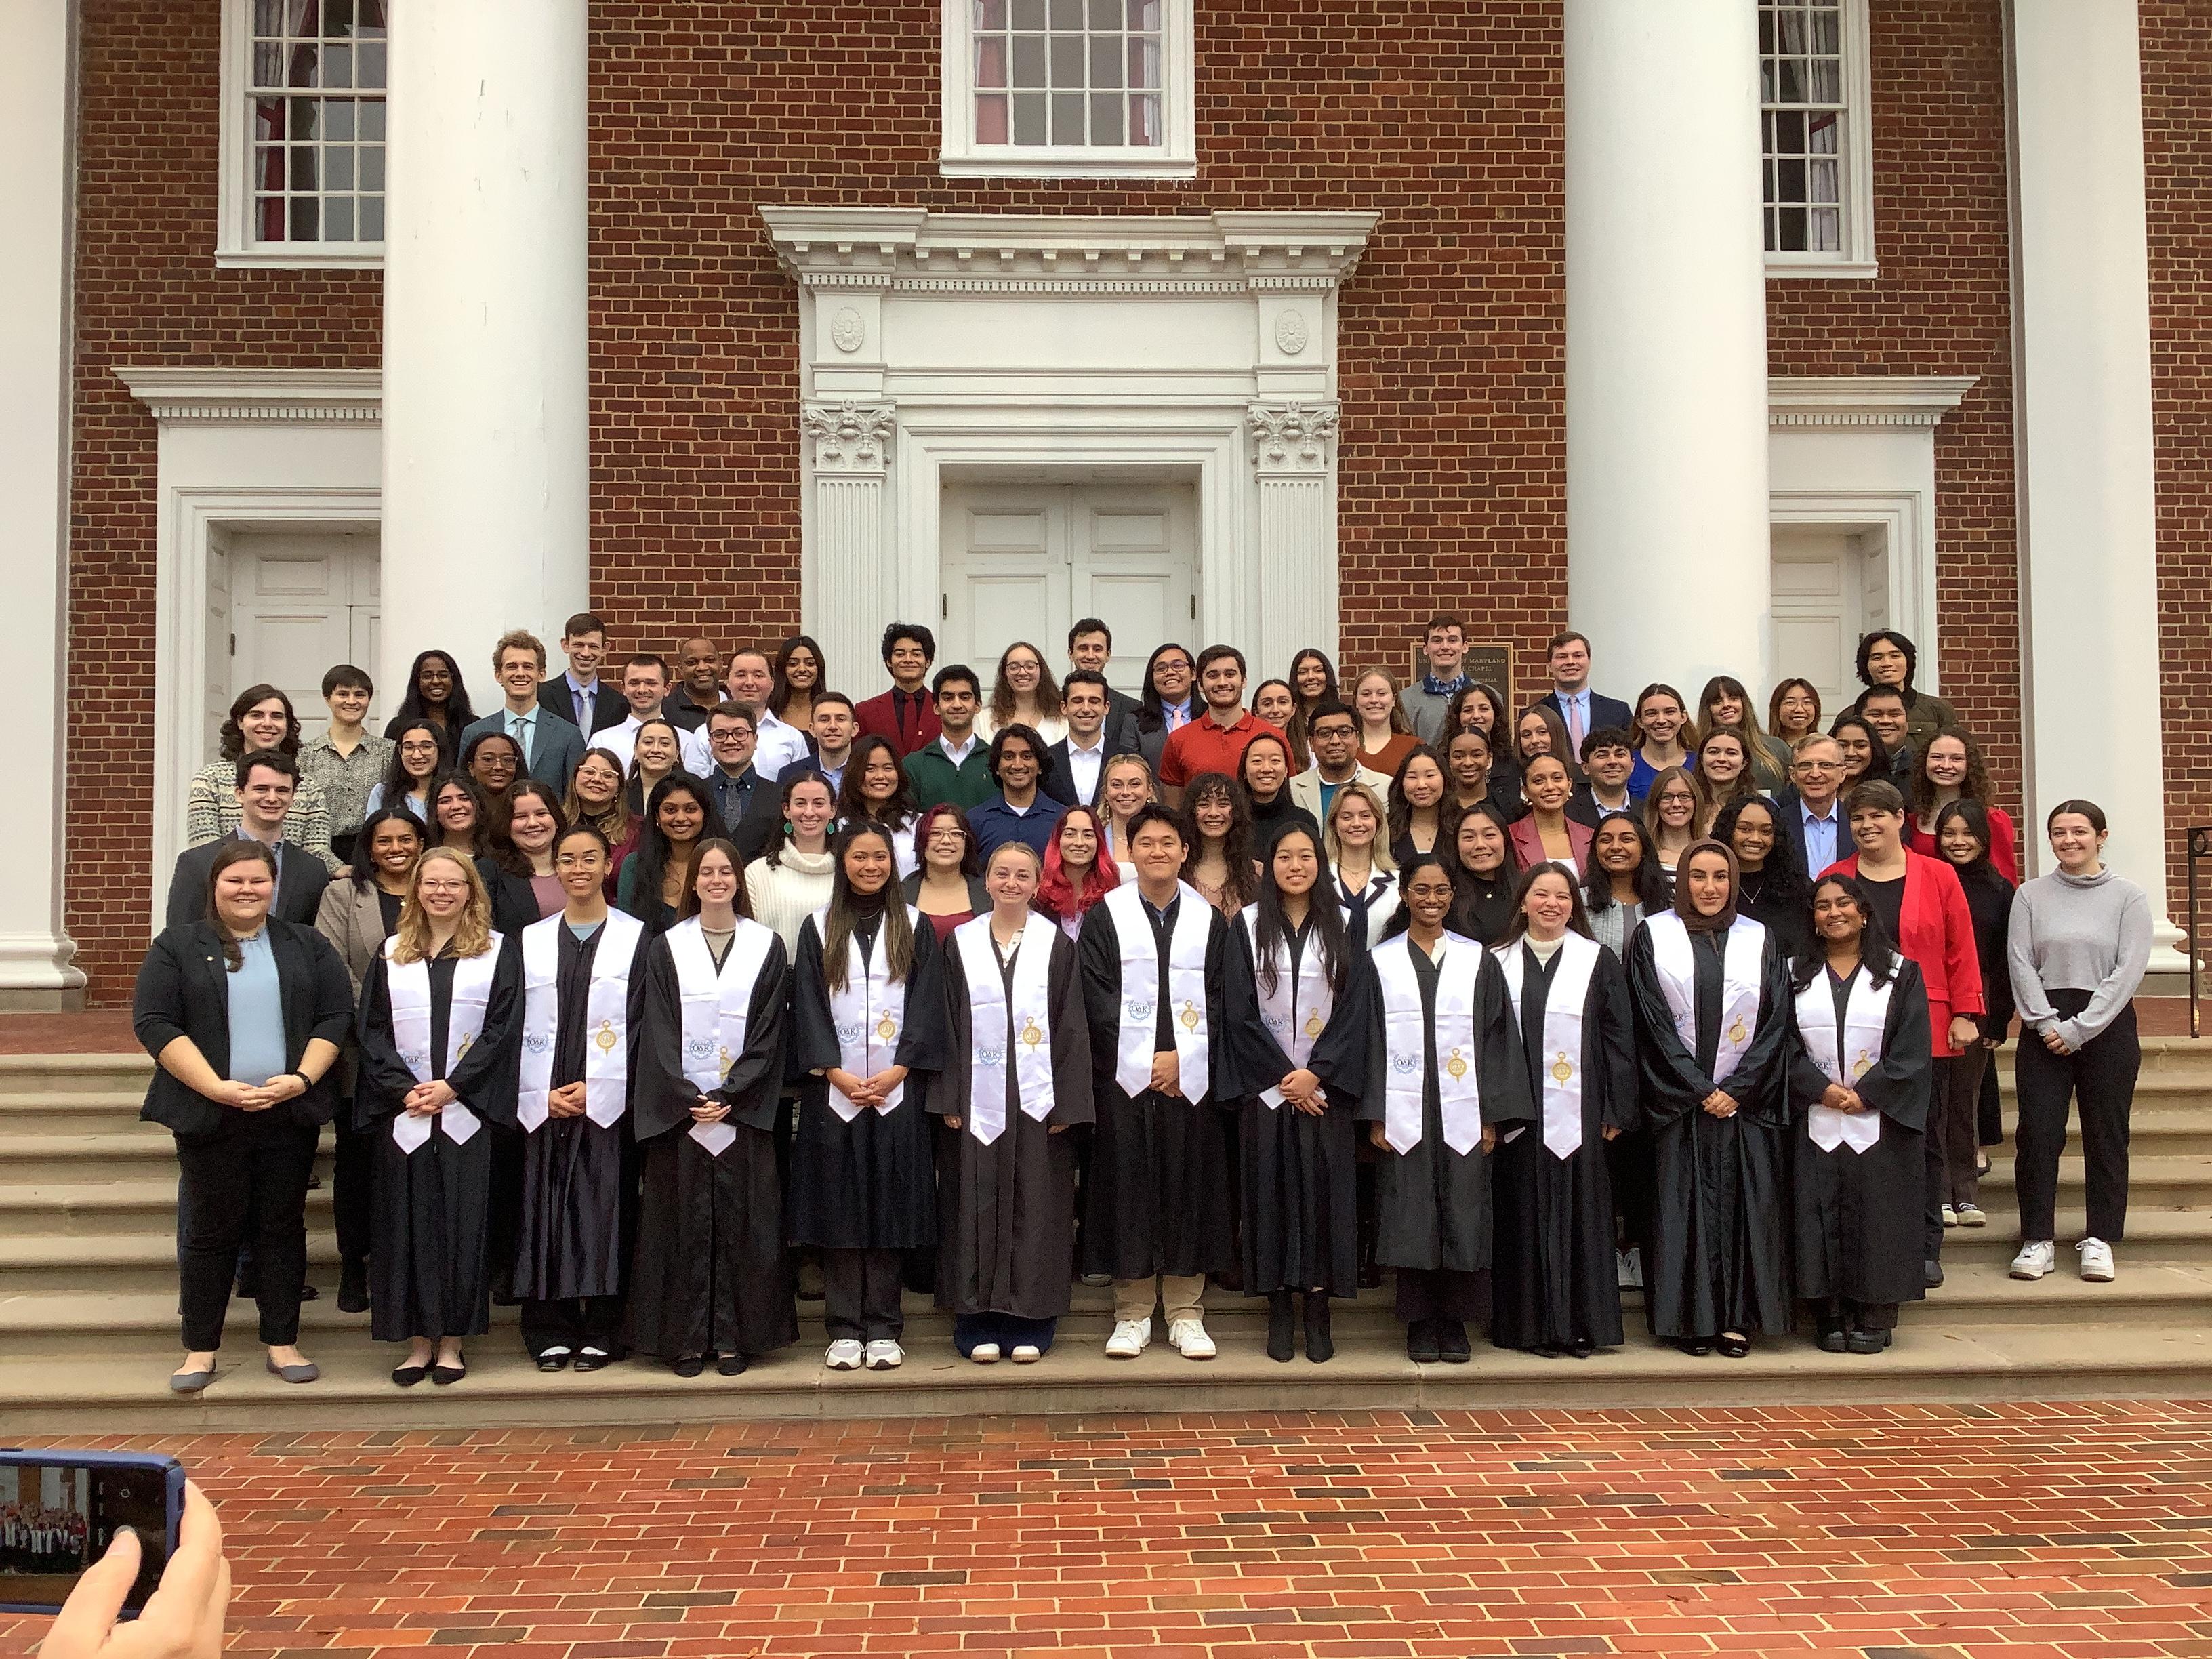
<point>580,696</point>
<point>1580,709</point>
<point>551,747</point>
<point>749,806</point>
<point>905,716</point>
<point>1091,647</point>
<point>266,780</point>
<point>1810,817</point>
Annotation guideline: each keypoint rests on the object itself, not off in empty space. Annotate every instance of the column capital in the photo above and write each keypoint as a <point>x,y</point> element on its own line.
<point>851,438</point>
<point>1292,440</point>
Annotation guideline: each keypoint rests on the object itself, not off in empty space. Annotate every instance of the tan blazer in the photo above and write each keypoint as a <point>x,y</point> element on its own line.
<point>1305,790</point>
<point>352,921</point>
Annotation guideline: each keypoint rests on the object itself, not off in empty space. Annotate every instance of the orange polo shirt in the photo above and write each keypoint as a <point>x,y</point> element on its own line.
<point>1203,746</point>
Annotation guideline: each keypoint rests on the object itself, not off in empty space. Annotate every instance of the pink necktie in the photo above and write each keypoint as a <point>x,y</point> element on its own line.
<point>1575,724</point>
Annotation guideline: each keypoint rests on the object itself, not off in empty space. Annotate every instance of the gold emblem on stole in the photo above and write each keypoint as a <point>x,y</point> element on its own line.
<point>1189,1016</point>
<point>1862,1065</point>
<point>1562,1068</point>
<point>1457,1065</point>
<point>606,1038</point>
<point>886,1029</point>
<point>1030,1036</point>
<point>1313,1024</point>
<point>1737,1033</point>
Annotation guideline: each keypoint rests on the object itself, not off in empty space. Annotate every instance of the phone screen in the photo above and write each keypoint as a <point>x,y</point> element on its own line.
<point>58,1516</point>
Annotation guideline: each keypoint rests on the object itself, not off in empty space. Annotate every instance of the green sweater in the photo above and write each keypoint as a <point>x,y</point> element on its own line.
<point>936,780</point>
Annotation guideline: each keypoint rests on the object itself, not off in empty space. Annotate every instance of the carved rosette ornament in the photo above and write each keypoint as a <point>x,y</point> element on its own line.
<point>849,437</point>
<point>1291,438</point>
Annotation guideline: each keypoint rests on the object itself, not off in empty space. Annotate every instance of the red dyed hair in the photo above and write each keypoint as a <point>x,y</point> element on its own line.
<point>1055,897</point>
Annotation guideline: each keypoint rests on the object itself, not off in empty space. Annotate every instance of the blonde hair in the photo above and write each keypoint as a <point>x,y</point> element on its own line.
<point>411,939</point>
<point>1097,804</point>
<point>1379,857</point>
<point>1398,724</point>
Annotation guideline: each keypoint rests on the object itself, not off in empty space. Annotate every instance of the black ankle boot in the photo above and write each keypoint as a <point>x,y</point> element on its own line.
<point>1280,1327</point>
<point>1319,1346</point>
<point>1422,1343</point>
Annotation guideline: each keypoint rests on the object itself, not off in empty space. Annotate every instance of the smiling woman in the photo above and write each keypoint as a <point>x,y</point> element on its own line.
<point>261,718</point>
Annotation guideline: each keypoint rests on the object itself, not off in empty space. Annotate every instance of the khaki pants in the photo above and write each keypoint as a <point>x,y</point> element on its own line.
<point>1133,1297</point>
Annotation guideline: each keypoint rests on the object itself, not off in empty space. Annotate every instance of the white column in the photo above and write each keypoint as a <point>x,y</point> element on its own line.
<point>2082,418</point>
<point>850,572</point>
<point>38,118</point>
<point>487,506</point>
<point>1293,448</point>
<point>1667,543</point>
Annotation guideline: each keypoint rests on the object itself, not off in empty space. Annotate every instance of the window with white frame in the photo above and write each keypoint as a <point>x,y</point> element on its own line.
<point>1069,88</point>
<point>1814,132</point>
<point>302,152</point>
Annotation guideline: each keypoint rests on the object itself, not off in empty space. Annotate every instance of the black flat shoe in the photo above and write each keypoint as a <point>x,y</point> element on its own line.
<point>1421,1344</point>
<point>730,1365</point>
<point>690,1365</point>
<point>309,1294</point>
<point>588,1361</point>
<point>1931,1273</point>
<point>1543,1351</point>
<point>446,1375</point>
<point>554,1359</point>
<point>1696,1347</point>
<point>1581,1349</point>
<point>1833,1339</point>
<point>1281,1329</point>
<point>1321,1346</point>
<point>1866,1341</point>
<point>408,1375</point>
<point>1451,1342</point>
<point>1733,1348</point>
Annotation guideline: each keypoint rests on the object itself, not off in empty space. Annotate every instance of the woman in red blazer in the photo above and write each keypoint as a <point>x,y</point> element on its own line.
<point>1546,832</point>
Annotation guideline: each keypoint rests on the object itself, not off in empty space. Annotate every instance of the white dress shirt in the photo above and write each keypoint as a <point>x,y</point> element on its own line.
<point>691,751</point>
<point>1083,767</point>
<point>776,744</point>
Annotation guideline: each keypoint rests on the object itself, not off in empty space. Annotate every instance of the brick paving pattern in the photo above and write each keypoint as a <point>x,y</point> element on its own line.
<point>2033,1531</point>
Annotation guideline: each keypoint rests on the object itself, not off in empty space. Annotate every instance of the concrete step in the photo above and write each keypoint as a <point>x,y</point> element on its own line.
<point>96,1266</point>
<point>126,1393</point>
<point>122,1208</point>
<point>134,1152</point>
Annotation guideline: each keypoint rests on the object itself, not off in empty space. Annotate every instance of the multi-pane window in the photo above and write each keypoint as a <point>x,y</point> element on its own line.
<point>1812,77</point>
<point>315,97</point>
<point>1067,72</point>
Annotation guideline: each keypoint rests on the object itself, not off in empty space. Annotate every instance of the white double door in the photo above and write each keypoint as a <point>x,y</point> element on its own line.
<point>1024,561</point>
<point>284,607</point>
<point>1830,588</point>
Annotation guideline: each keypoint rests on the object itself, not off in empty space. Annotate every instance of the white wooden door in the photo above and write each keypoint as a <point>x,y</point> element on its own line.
<point>1025,562</point>
<point>1822,579</point>
<point>300,602</point>
<point>217,688</point>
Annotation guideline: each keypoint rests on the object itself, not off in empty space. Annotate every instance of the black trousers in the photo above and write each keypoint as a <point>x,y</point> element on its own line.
<point>1859,1315</point>
<point>860,1294</point>
<point>1442,1293</point>
<point>573,1323</point>
<point>2101,1077</point>
<point>245,1185</point>
<point>1933,1195</point>
<point>1952,1141</point>
<point>353,1209</point>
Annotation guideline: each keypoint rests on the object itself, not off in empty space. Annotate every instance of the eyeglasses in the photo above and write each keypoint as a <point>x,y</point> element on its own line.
<point>948,833</point>
<point>1818,766</point>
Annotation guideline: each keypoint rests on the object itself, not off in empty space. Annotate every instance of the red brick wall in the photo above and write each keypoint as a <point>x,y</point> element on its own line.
<point>148,292</point>
<point>2177,46</point>
<point>1941,306</point>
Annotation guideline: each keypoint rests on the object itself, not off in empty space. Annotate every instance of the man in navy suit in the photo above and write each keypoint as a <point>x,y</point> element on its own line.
<point>552,748</point>
<point>1091,647</point>
<point>1580,709</point>
<point>582,696</point>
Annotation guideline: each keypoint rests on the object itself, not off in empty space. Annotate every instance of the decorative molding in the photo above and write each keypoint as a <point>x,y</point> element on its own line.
<point>1291,438</point>
<point>911,250</point>
<point>849,437</point>
<point>1890,403</point>
<point>1290,333</point>
<point>233,396</point>
<point>847,331</point>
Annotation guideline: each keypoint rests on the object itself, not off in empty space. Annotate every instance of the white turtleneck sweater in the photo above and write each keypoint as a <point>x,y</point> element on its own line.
<point>784,894</point>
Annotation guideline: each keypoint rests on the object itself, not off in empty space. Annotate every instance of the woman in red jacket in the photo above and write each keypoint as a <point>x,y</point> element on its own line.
<point>1921,905</point>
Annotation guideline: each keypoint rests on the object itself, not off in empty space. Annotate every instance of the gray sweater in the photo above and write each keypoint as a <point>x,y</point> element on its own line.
<point>2078,933</point>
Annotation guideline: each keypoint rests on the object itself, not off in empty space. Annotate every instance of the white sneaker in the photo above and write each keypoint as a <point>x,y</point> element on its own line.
<point>1629,1271</point>
<point>1950,1216</point>
<point>1190,1340</point>
<point>886,1355</point>
<point>2096,1260</point>
<point>984,1353</point>
<point>1131,1338</point>
<point>1025,1353</point>
<point>1970,1215</point>
<point>844,1355</point>
<point>2035,1259</point>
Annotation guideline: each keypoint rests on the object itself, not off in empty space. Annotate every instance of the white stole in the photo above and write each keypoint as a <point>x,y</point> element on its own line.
<point>989,1017</point>
<point>1740,960</point>
<point>716,1007</point>
<point>1298,1011</point>
<point>869,1014</point>
<point>1140,989</point>
<point>1405,1039</point>
<point>409,985</point>
<point>606,1012</point>
<point>1563,1033</point>
<point>1866,1016</point>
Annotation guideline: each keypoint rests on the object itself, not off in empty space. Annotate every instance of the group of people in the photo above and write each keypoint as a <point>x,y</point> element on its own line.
<point>660,1009</point>
<point>35,1537</point>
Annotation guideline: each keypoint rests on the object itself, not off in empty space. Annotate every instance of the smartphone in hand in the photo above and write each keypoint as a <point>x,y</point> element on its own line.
<point>60,1510</point>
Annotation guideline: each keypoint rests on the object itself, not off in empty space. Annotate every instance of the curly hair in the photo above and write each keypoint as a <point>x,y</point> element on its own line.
<point>1242,878</point>
<point>1975,786</point>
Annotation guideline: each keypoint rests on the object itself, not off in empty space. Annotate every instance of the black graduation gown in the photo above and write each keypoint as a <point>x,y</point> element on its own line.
<point>1006,1212</point>
<point>430,1254</point>
<point>1482,907</point>
<point>711,1274</point>
<point>866,1185</point>
<point>1718,1259</point>
<point>1434,1206</point>
<point>1157,1197</point>
<point>1861,1215</point>
<point>1299,1196</point>
<point>579,1179</point>
<point>1555,1282</point>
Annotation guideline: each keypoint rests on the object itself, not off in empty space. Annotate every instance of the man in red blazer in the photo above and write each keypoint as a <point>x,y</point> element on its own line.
<point>905,717</point>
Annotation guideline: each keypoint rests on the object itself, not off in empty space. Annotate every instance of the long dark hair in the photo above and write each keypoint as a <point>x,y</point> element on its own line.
<point>363,869</point>
<point>233,740</point>
<point>1236,846</point>
<point>1975,786</point>
<point>779,696</point>
<point>1401,810</point>
<point>898,927</point>
<point>900,809</point>
<point>458,713</point>
<point>787,788</point>
<point>1402,918</point>
<point>653,848</point>
<point>398,785</point>
<point>1578,922</point>
<point>479,837</point>
<point>509,857</point>
<point>1876,955</point>
<point>237,850</point>
<point>1877,766</point>
<point>1271,927</point>
<point>1151,717</point>
<point>1651,874</point>
<point>728,849</point>
<point>1305,704</point>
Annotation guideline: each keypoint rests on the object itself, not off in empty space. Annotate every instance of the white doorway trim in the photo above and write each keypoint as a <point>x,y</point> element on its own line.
<point>301,449</point>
